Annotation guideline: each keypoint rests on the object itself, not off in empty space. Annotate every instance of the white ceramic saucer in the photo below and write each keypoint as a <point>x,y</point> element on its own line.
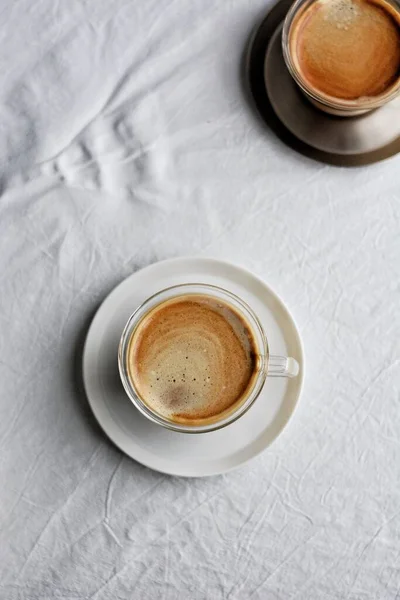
<point>167,451</point>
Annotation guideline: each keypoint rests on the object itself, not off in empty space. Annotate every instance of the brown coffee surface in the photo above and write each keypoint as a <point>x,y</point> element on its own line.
<point>192,358</point>
<point>347,49</point>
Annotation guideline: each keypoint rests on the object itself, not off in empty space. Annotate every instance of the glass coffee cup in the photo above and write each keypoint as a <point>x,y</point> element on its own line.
<point>346,19</point>
<point>264,364</point>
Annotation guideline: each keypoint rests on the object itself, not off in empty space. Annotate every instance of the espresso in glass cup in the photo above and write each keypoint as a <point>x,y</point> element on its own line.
<point>344,54</point>
<point>194,357</point>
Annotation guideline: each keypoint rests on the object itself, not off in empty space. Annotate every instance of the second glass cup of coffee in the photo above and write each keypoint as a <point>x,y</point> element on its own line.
<point>344,54</point>
<point>194,358</point>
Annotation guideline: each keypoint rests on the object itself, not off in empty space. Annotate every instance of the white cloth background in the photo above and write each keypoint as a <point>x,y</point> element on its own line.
<point>126,138</point>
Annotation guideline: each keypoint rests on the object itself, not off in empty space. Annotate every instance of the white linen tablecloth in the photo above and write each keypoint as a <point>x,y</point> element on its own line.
<point>126,137</point>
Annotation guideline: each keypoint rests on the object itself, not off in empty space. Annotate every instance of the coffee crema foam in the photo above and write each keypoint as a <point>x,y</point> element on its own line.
<point>192,359</point>
<point>347,49</point>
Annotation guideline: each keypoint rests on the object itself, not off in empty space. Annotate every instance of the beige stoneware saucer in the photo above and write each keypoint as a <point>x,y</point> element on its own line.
<point>173,452</point>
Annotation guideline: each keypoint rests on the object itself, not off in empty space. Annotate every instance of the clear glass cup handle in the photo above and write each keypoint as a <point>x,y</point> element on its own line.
<point>282,366</point>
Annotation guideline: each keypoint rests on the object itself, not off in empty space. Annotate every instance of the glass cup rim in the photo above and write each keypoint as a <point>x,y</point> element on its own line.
<point>324,99</point>
<point>140,312</point>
